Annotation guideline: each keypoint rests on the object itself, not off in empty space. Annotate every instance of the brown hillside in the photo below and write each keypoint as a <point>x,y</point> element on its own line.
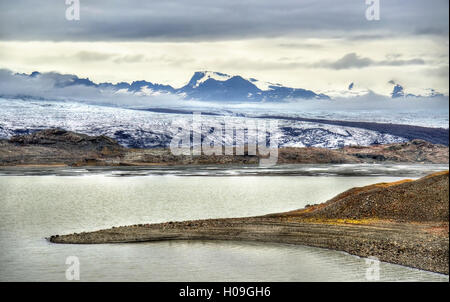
<point>422,200</point>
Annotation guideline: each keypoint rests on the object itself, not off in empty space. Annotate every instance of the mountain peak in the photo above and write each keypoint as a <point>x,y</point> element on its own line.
<point>398,91</point>
<point>202,76</point>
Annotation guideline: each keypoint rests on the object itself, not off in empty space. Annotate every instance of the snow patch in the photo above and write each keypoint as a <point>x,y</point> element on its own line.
<point>218,76</point>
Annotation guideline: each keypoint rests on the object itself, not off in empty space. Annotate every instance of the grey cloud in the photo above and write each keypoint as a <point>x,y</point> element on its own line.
<point>251,64</point>
<point>87,56</point>
<point>439,31</point>
<point>300,45</point>
<point>352,60</point>
<point>92,56</point>
<point>189,20</point>
<point>348,61</point>
<point>130,59</point>
<point>400,62</point>
<point>363,37</point>
<point>392,56</point>
<point>442,72</point>
<point>98,56</point>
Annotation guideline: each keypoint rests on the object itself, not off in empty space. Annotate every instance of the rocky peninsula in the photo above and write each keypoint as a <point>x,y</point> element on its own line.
<point>405,222</point>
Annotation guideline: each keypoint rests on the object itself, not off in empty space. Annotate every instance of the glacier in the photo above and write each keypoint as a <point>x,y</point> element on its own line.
<point>146,129</point>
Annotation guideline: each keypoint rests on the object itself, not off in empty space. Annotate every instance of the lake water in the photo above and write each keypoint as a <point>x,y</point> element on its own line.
<point>37,203</point>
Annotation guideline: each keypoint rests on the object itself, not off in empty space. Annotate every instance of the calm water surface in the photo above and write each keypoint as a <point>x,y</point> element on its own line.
<point>58,201</point>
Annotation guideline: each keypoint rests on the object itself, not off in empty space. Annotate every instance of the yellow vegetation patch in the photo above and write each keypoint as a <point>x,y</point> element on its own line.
<point>437,174</point>
<point>302,211</point>
<point>389,184</point>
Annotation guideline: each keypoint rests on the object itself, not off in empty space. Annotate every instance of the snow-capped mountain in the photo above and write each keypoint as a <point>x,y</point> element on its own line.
<point>399,91</point>
<point>396,91</point>
<point>208,85</point>
<point>353,90</point>
<point>204,85</point>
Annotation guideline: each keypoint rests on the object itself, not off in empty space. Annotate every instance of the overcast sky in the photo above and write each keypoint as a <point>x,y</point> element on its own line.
<point>320,45</point>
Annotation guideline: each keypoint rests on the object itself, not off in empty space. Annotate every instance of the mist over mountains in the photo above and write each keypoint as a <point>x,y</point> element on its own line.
<point>203,86</point>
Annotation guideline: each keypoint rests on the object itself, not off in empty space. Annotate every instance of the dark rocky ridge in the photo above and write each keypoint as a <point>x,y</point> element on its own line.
<point>61,147</point>
<point>60,138</point>
<point>57,147</point>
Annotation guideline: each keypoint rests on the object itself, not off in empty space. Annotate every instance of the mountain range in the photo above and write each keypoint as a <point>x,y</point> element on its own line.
<point>217,86</point>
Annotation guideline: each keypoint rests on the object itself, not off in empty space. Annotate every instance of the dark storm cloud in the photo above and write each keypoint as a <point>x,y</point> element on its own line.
<point>106,20</point>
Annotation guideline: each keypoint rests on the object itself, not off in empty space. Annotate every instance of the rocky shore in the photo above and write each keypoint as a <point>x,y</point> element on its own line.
<point>405,223</point>
<point>60,147</point>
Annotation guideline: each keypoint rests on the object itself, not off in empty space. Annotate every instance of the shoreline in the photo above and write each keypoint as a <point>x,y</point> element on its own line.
<point>406,232</point>
<point>200,165</point>
<point>412,245</point>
